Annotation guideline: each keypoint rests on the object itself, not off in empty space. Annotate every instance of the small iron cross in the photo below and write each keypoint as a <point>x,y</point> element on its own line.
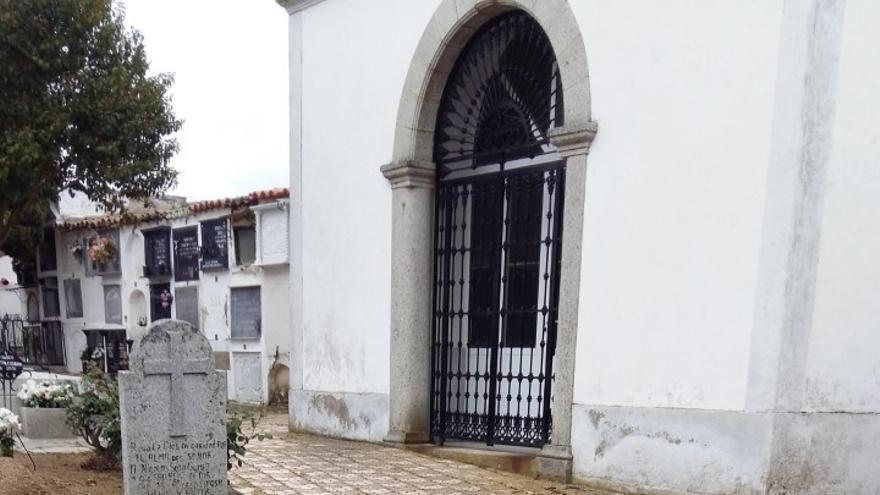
<point>177,367</point>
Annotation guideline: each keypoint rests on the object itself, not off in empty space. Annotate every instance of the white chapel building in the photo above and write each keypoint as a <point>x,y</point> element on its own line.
<point>638,238</point>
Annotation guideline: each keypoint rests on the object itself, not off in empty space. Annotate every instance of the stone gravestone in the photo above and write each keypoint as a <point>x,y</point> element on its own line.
<point>173,406</point>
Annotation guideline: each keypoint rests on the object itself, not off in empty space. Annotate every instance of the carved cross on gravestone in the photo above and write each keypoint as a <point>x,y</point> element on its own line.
<point>172,406</point>
<point>177,367</point>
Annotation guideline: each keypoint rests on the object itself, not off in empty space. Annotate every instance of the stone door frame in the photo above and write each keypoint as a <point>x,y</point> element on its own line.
<point>412,177</point>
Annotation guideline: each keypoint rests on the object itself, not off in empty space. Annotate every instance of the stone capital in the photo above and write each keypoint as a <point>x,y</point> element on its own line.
<point>574,139</point>
<point>294,6</point>
<point>410,174</point>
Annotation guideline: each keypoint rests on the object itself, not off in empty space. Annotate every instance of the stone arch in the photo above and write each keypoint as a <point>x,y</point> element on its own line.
<point>448,31</point>
<point>412,177</point>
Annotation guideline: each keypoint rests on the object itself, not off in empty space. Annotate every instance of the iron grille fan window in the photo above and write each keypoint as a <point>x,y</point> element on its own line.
<point>498,237</point>
<point>502,98</point>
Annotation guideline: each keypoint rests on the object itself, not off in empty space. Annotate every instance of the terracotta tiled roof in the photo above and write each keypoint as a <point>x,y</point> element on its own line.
<point>239,201</point>
<point>154,215</point>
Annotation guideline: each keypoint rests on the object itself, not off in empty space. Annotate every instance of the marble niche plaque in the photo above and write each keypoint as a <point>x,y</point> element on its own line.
<point>173,406</point>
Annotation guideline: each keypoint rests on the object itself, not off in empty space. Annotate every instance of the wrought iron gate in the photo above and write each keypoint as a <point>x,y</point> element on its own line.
<point>37,344</point>
<point>496,292</point>
<point>498,233</point>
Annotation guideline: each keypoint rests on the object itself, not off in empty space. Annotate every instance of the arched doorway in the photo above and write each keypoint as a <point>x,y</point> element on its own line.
<point>415,187</point>
<point>497,237</point>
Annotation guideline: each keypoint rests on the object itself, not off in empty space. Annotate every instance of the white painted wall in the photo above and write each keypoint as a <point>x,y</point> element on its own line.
<point>12,297</point>
<point>843,366</point>
<point>683,94</point>
<point>351,91</point>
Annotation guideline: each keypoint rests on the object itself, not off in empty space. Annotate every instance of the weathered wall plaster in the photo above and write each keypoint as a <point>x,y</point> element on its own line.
<point>348,415</point>
<point>688,450</point>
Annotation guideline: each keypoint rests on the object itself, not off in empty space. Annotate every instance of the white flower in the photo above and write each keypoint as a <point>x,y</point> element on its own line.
<point>45,394</point>
<point>8,422</point>
<point>27,390</point>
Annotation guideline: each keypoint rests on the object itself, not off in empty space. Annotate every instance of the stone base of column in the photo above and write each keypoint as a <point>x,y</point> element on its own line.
<point>401,437</point>
<point>555,463</point>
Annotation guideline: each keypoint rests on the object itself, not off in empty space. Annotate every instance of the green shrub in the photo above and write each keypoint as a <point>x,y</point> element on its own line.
<point>241,428</point>
<point>9,427</point>
<point>94,413</point>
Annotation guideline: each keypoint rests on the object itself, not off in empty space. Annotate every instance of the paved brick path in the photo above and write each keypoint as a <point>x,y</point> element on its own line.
<point>304,464</point>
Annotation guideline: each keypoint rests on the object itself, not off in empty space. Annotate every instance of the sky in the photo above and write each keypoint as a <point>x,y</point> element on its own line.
<point>229,59</point>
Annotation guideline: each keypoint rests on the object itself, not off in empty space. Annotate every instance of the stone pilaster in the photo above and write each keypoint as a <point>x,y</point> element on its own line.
<point>412,199</point>
<point>573,143</point>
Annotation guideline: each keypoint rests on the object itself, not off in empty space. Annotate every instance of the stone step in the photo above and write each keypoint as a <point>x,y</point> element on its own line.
<point>517,460</point>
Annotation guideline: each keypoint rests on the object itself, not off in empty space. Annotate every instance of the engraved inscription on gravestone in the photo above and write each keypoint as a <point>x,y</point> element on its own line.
<point>173,407</point>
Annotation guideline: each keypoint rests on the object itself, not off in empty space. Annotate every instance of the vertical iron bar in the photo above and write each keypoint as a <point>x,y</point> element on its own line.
<point>554,305</point>
<point>457,283</point>
<point>464,330</point>
<point>433,413</point>
<point>494,336</point>
<point>550,260</point>
<point>444,336</point>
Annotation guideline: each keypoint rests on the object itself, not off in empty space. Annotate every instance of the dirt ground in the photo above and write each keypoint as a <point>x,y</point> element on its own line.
<point>59,474</point>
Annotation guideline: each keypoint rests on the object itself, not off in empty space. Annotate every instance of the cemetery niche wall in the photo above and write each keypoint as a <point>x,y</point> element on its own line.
<point>171,259</point>
<point>173,414</point>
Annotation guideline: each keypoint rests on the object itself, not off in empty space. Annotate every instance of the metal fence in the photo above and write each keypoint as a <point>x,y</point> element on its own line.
<point>37,344</point>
